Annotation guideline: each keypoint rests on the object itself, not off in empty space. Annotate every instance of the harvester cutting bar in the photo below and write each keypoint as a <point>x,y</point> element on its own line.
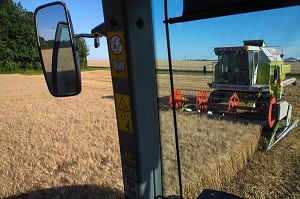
<point>246,98</point>
<point>203,104</point>
<point>246,108</point>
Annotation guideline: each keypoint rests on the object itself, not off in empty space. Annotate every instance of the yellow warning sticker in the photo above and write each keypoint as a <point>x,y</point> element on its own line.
<point>123,113</point>
<point>128,155</point>
<point>117,54</point>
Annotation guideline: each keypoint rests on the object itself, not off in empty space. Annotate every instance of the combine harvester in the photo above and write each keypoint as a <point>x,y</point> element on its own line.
<point>248,83</point>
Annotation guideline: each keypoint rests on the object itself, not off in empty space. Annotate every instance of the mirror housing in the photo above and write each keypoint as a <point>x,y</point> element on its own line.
<point>57,49</point>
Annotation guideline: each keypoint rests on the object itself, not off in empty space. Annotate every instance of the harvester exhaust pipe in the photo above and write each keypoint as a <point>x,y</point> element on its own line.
<point>282,135</point>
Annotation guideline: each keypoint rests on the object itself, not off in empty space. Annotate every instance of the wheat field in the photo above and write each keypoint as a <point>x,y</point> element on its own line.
<point>210,156</point>
<point>68,147</point>
<point>61,146</point>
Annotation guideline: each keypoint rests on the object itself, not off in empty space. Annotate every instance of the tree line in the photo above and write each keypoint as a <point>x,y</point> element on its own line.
<point>49,44</point>
<point>18,42</point>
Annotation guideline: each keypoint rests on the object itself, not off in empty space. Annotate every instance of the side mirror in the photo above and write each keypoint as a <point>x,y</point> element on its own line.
<point>57,49</point>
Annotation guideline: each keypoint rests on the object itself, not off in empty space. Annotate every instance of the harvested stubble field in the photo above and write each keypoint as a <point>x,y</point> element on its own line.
<point>68,147</point>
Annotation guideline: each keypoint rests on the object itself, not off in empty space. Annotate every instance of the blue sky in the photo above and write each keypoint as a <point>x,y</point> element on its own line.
<point>195,40</point>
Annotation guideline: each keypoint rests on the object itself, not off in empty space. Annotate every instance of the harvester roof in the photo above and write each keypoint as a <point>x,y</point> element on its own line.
<point>267,54</point>
<point>259,43</point>
<point>236,48</point>
<point>248,45</point>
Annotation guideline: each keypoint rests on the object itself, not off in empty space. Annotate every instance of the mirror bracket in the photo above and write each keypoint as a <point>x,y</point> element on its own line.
<point>96,37</point>
<point>96,33</point>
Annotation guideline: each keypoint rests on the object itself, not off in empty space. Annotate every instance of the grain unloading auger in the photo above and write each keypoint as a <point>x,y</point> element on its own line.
<point>248,83</point>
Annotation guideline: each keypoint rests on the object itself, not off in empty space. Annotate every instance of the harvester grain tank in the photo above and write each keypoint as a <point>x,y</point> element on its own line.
<point>248,82</point>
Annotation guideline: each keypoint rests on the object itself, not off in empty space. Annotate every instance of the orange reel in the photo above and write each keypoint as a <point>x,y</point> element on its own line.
<point>201,101</point>
<point>177,98</point>
<point>233,101</point>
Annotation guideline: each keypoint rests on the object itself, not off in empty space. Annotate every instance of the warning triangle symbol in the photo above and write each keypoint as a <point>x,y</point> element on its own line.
<point>122,105</point>
<point>127,155</point>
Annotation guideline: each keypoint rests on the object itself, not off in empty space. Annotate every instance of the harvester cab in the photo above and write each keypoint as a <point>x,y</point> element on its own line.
<point>253,67</point>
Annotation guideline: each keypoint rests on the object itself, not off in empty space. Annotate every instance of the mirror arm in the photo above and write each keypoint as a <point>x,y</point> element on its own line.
<point>96,37</point>
<point>87,36</point>
<point>96,33</point>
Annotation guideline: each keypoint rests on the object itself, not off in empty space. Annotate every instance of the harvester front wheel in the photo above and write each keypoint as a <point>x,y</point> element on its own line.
<point>272,112</point>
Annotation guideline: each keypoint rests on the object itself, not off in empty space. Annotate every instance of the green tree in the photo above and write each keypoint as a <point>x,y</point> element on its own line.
<point>17,38</point>
<point>83,52</point>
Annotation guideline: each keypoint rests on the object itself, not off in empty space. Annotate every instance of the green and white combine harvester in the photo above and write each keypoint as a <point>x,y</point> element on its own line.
<point>248,82</point>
